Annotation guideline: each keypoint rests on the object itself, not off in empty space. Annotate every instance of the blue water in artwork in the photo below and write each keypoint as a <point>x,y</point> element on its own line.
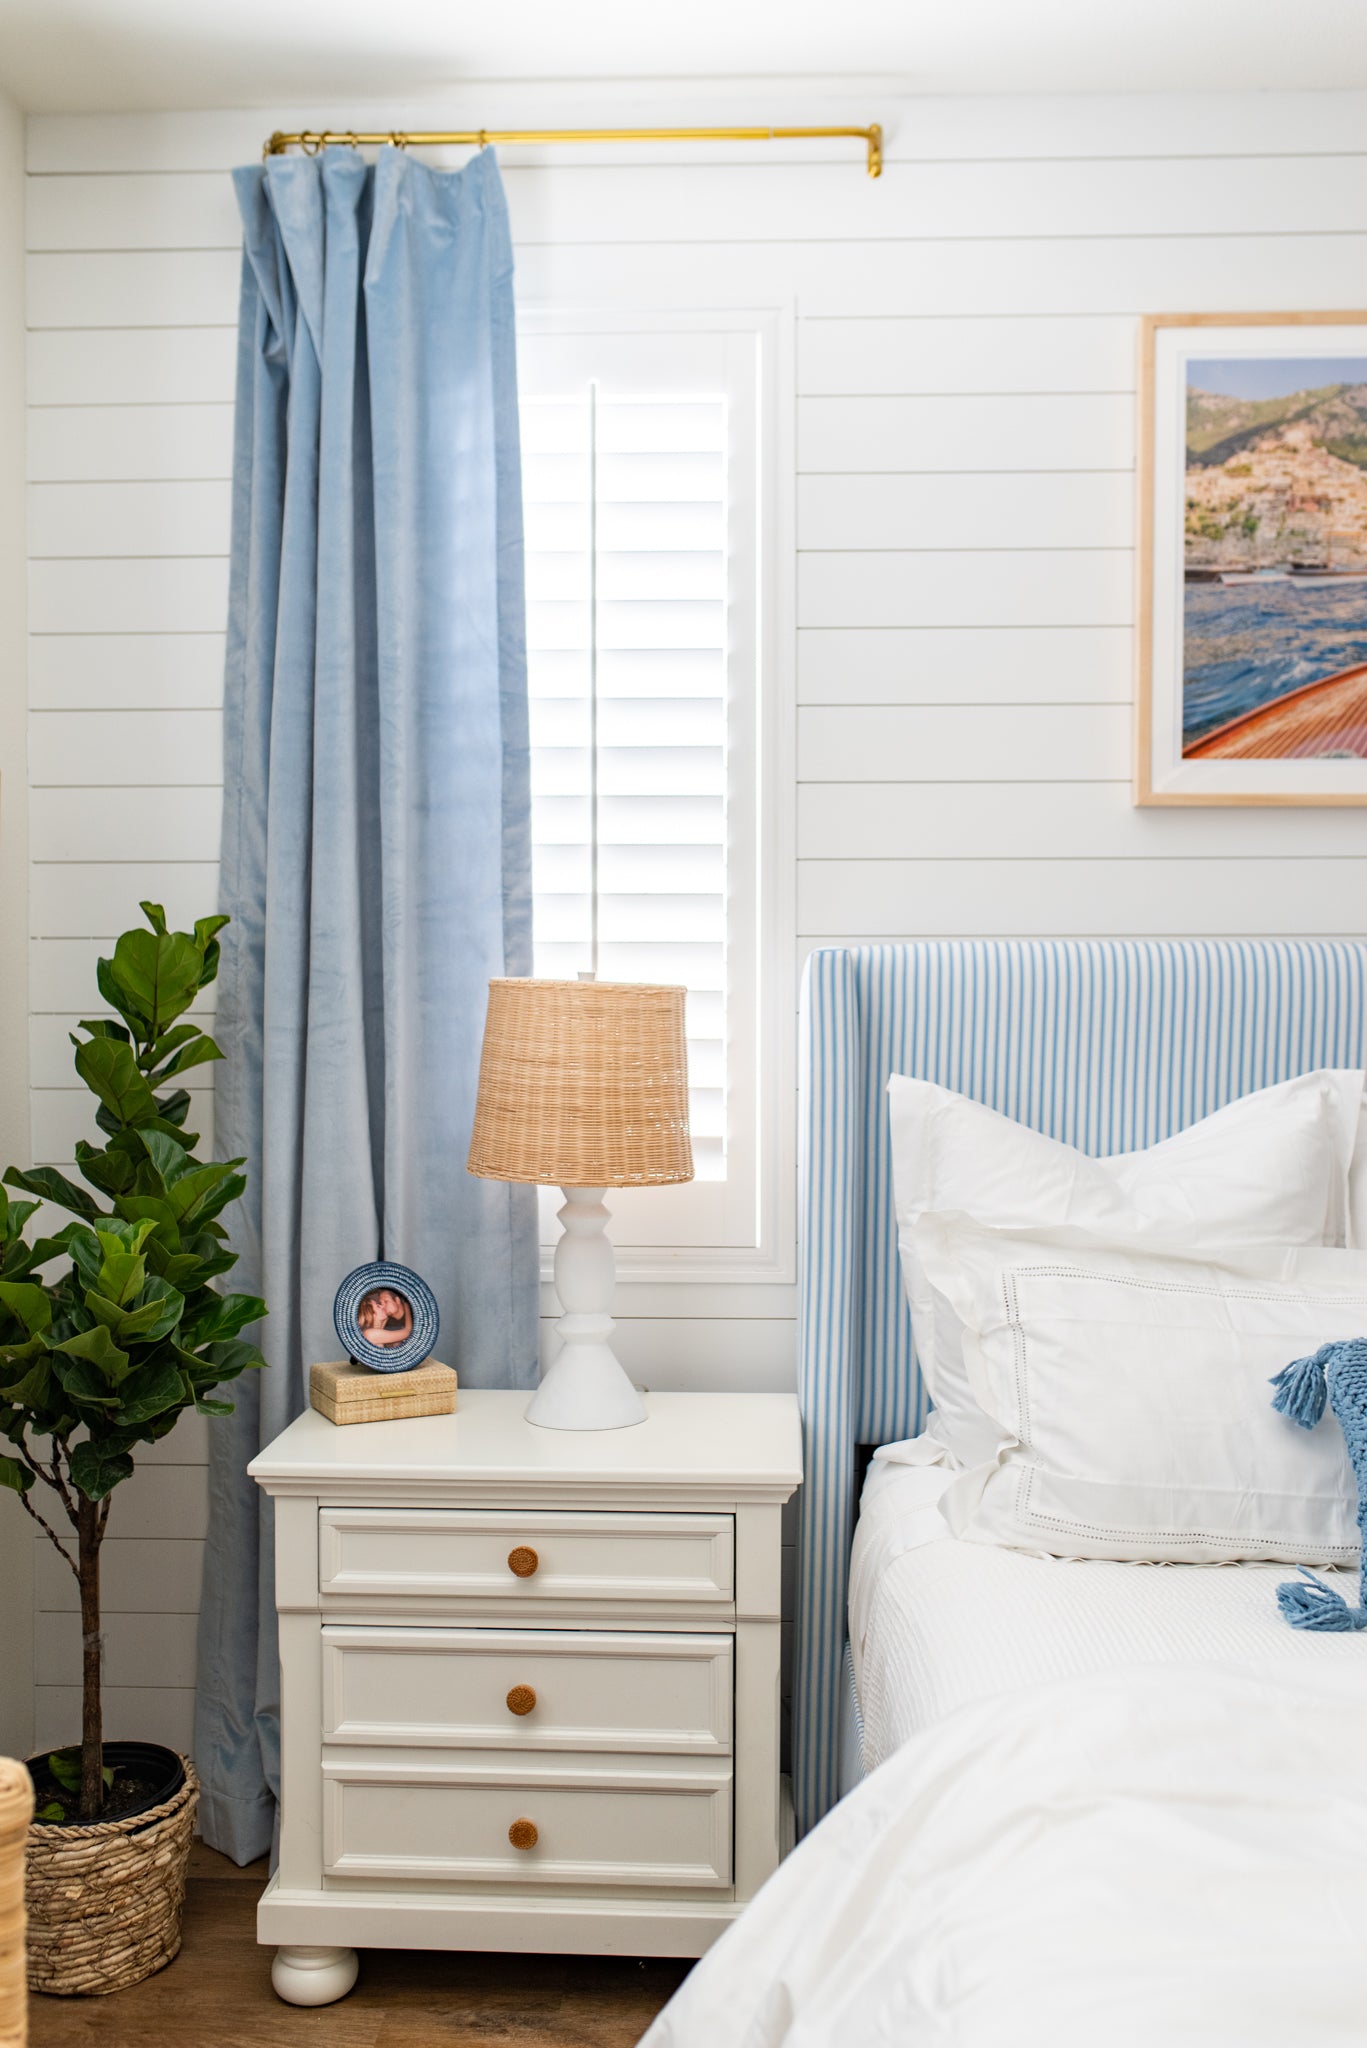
<point>1247,643</point>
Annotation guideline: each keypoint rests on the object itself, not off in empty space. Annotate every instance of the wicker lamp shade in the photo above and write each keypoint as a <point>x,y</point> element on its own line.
<point>583,1084</point>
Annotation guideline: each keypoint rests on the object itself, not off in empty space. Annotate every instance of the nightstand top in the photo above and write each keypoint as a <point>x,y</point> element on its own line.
<point>752,1442</point>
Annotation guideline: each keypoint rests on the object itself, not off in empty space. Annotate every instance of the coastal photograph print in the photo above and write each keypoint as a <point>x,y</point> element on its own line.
<point>1252,640</point>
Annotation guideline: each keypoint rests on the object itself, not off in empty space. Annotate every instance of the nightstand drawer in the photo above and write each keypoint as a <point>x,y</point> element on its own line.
<point>619,1821</point>
<point>527,1689</point>
<point>470,1554</point>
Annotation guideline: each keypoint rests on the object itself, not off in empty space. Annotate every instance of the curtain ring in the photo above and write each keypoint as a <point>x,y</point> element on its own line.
<point>350,139</point>
<point>312,145</point>
<point>397,141</point>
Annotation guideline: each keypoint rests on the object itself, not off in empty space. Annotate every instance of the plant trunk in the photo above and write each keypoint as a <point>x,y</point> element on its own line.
<point>88,1535</point>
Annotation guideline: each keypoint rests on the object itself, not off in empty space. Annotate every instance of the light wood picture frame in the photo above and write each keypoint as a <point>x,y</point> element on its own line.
<point>1251,640</point>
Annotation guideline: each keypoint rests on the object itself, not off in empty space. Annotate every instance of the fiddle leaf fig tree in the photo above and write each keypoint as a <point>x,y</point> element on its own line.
<point>131,1331</point>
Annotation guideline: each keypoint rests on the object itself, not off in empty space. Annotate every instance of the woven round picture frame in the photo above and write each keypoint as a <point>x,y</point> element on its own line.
<point>385,1317</point>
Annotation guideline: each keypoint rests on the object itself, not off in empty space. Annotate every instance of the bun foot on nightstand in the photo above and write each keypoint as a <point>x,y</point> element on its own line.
<point>313,1976</point>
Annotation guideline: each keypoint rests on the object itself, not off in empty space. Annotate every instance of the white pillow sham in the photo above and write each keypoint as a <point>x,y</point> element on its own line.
<point>1129,1389</point>
<point>1269,1168</point>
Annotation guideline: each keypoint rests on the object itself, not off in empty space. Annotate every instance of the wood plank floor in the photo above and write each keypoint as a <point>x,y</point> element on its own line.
<point>217,1993</point>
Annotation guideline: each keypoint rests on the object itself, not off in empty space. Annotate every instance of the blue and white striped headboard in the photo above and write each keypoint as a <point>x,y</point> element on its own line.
<point>1108,1045</point>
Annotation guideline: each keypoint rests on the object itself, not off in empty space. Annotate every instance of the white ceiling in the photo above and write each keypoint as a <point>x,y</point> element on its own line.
<point>94,55</point>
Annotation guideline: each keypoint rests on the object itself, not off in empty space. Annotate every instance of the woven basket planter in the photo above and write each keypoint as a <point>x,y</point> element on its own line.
<point>104,1902</point>
<point>16,1807</point>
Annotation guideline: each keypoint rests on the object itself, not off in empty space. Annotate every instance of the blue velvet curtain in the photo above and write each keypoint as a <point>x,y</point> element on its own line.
<point>376,834</point>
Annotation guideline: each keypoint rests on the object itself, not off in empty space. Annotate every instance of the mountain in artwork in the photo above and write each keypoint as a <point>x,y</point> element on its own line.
<point>1277,482</point>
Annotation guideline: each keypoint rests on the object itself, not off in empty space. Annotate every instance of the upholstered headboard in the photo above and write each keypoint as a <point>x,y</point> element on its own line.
<point>1108,1045</point>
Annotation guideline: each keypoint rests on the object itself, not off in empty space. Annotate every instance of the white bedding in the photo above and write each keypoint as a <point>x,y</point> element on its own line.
<point>937,1622</point>
<point>1147,1856</point>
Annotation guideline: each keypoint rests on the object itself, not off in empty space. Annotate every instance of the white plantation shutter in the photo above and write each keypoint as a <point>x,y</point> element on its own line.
<point>638,500</point>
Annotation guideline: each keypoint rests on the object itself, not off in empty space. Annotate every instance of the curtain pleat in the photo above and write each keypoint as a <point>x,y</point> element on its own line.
<point>376,828</point>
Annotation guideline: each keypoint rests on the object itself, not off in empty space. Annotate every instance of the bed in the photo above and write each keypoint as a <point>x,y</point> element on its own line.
<point>1032,1685</point>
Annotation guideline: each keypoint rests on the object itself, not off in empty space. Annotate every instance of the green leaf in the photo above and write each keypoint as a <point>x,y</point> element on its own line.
<point>196,1055</point>
<point>228,1360</point>
<point>152,1319</point>
<point>15,1476</point>
<point>216,1203</point>
<point>109,1070</point>
<point>123,1268</point>
<point>154,1209</point>
<point>31,1304</point>
<point>167,1155</point>
<point>149,1391</point>
<point>99,1347</point>
<point>174,1108</point>
<point>102,1027</point>
<point>34,1391</point>
<point>115,1234</point>
<point>205,928</point>
<point>191,1268</point>
<point>51,1186</point>
<point>87,1255</point>
<point>204,1406</point>
<point>155,916</point>
<point>159,971</point>
<point>187,1192</point>
<point>172,1306</point>
<point>230,1313</point>
<point>112,1172</point>
<point>169,1042</point>
<point>118,999</point>
<point>65,1766</point>
<point>121,1277</point>
<point>54,1810</point>
<point>98,1470</point>
<point>84,1382</point>
<point>14,1215</point>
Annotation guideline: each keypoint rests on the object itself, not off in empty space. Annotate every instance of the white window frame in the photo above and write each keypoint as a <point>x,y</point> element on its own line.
<point>655,1232</point>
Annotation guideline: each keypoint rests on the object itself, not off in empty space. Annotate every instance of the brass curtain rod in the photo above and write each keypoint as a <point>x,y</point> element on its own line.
<point>312,141</point>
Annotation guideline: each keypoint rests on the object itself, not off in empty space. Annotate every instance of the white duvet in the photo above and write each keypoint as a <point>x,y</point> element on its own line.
<point>1169,1857</point>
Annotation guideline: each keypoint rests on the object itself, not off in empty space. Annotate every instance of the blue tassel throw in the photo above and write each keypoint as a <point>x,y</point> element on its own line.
<point>1303,1388</point>
<point>1336,1375</point>
<point>1312,1604</point>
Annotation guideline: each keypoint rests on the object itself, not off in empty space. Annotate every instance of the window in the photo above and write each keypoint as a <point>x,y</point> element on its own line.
<point>646,613</point>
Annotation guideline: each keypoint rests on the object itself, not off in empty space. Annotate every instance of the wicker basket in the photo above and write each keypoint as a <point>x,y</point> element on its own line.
<point>104,1902</point>
<point>16,1809</point>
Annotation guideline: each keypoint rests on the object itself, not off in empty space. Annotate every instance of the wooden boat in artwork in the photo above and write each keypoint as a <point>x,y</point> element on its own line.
<point>1319,720</point>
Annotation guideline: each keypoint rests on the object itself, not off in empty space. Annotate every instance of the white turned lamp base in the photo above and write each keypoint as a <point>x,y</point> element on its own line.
<point>312,1975</point>
<point>586,1386</point>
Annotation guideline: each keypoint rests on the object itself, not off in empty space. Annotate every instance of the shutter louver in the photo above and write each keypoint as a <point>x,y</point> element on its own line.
<point>625,508</point>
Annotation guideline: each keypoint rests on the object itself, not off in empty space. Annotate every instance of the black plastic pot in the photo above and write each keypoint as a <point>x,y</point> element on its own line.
<point>162,1767</point>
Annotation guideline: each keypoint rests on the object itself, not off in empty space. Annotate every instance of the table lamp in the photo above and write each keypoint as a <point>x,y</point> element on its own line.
<point>583,1085</point>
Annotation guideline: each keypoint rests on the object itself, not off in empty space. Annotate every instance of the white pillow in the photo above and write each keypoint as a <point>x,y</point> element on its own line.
<point>1130,1393</point>
<point>1270,1168</point>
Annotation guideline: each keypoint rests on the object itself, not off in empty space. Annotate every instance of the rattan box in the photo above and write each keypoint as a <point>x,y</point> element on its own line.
<point>353,1393</point>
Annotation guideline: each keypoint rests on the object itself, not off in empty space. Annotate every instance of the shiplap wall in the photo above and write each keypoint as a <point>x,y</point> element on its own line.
<point>16,1593</point>
<point>965,427</point>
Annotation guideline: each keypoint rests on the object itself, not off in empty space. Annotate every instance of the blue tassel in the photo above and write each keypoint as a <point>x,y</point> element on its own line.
<point>1302,1388</point>
<point>1308,1603</point>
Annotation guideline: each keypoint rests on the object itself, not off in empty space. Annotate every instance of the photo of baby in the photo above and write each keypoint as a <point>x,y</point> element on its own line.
<point>384,1317</point>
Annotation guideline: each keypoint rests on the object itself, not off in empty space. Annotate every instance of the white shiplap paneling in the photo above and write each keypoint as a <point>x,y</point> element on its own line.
<point>965,421</point>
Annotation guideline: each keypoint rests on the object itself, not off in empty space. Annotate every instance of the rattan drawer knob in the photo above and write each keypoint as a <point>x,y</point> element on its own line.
<point>523,1561</point>
<point>521,1700</point>
<point>522,1834</point>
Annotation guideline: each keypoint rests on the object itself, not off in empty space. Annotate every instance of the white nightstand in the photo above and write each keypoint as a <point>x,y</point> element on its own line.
<point>530,1680</point>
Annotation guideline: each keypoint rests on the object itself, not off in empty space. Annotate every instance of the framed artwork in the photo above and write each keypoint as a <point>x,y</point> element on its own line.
<point>1252,631</point>
<point>385,1317</point>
